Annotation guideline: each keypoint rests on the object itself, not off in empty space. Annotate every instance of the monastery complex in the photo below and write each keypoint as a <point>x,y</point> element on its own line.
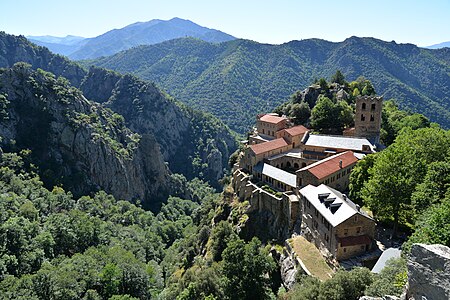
<point>301,178</point>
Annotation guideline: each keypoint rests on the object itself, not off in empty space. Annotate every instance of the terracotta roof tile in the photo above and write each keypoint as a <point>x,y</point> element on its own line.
<point>272,119</point>
<point>296,130</point>
<point>268,146</point>
<point>354,240</point>
<point>330,165</point>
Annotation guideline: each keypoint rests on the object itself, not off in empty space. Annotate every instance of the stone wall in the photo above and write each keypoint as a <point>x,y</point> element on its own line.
<point>368,117</point>
<point>350,228</point>
<point>273,214</point>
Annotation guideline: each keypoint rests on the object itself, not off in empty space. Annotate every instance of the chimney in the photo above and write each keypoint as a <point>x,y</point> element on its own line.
<point>344,197</point>
<point>340,163</point>
<point>358,208</point>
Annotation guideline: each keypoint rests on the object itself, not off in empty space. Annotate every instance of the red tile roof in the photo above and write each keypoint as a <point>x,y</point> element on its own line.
<point>296,130</point>
<point>268,146</point>
<point>272,119</point>
<point>330,165</point>
<point>354,240</point>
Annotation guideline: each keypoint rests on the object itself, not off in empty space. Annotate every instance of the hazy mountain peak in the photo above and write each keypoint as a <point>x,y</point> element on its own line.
<point>139,33</point>
<point>66,40</point>
<point>440,45</point>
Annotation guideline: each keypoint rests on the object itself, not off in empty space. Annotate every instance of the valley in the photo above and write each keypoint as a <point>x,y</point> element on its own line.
<point>167,160</point>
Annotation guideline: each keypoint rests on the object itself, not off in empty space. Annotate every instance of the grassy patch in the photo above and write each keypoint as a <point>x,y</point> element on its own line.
<point>311,258</point>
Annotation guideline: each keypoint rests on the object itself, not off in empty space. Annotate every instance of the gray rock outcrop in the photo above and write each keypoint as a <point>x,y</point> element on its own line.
<point>429,272</point>
<point>181,133</point>
<point>288,270</point>
<point>76,142</point>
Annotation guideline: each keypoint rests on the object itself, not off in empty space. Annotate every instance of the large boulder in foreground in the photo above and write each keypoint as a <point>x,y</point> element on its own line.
<point>429,272</point>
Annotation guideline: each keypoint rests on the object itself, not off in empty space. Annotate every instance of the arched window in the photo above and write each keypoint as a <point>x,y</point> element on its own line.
<point>288,164</point>
<point>363,118</point>
<point>373,106</point>
<point>296,165</point>
<point>303,165</point>
<point>363,106</point>
<point>372,118</point>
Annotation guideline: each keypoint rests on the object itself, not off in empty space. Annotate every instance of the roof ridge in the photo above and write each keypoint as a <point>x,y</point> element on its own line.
<point>325,160</point>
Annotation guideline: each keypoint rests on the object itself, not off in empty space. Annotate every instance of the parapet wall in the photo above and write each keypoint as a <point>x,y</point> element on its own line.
<point>277,210</point>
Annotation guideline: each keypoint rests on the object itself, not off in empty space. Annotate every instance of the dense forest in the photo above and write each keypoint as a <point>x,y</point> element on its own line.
<point>54,246</point>
<point>81,163</point>
<point>238,79</point>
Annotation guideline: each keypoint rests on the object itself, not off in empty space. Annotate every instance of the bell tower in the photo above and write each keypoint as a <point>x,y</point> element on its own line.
<point>368,117</point>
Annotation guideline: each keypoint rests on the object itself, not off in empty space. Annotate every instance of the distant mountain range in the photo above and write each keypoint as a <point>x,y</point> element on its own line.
<point>67,40</point>
<point>238,79</point>
<point>141,33</point>
<point>440,45</point>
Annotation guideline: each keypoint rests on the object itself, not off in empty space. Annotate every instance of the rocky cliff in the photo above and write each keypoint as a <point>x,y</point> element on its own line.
<point>428,272</point>
<point>76,142</point>
<point>193,143</point>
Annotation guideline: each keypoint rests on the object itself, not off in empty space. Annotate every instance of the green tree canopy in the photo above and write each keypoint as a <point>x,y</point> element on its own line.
<point>434,186</point>
<point>400,168</point>
<point>433,227</point>
<point>390,281</point>
<point>338,77</point>
<point>300,113</point>
<point>324,115</point>
<point>245,270</point>
<point>327,116</point>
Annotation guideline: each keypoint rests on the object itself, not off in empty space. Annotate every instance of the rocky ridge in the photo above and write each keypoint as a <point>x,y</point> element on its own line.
<point>193,143</point>
<point>76,142</point>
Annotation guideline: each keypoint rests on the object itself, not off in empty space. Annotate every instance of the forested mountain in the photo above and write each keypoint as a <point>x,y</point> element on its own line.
<point>77,143</point>
<point>193,143</point>
<point>237,79</point>
<point>140,33</point>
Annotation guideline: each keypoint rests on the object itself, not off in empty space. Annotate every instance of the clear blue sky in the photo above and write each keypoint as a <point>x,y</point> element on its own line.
<point>276,21</point>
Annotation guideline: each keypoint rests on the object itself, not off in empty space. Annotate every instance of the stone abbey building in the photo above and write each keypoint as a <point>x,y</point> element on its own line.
<point>300,177</point>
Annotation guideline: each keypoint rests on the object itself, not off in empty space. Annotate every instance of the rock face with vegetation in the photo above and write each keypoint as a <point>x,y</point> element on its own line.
<point>75,142</point>
<point>193,143</point>
<point>236,80</point>
<point>428,272</point>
